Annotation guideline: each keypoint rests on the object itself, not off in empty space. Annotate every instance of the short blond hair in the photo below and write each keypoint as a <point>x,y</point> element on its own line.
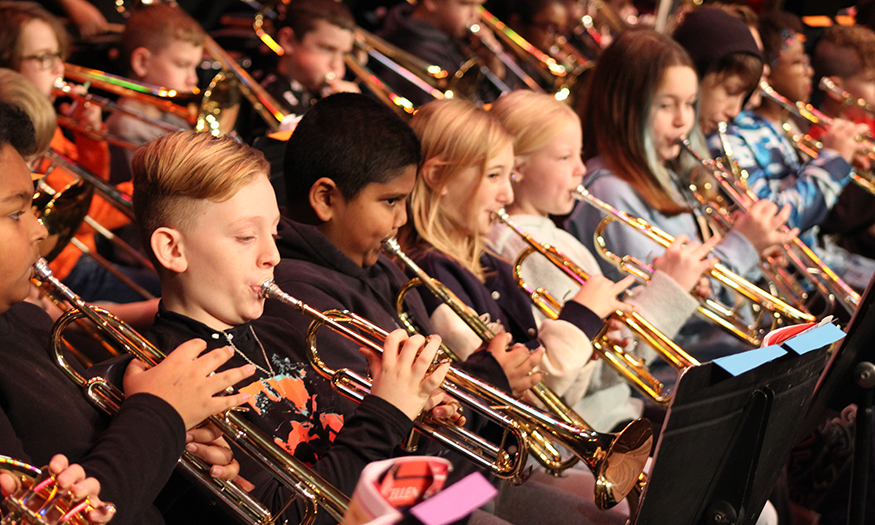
<point>458,135</point>
<point>17,90</point>
<point>175,173</point>
<point>534,119</point>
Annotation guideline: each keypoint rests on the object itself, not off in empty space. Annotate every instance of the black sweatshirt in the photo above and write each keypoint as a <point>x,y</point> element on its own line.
<point>43,414</point>
<point>295,406</point>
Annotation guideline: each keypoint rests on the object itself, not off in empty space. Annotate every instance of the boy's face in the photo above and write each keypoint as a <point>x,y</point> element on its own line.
<point>20,232</point>
<point>546,26</point>
<point>721,100</point>
<point>861,85</point>
<point>39,43</point>
<point>791,73</point>
<point>318,56</point>
<point>359,227</point>
<point>454,16</point>
<point>173,67</point>
<point>228,251</point>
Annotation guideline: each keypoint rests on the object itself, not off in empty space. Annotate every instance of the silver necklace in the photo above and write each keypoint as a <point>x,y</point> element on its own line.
<point>270,372</point>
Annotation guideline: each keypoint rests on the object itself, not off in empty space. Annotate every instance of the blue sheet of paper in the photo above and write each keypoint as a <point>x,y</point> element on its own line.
<point>814,339</point>
<point>738,364</point>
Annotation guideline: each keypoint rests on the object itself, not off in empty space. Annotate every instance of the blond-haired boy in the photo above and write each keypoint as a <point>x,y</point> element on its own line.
<point>209,216</point>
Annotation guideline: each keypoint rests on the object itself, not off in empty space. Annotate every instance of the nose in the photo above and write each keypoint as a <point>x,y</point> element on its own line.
<point>38,232</point>
<point>400,216</point>
<point>270,255</point>
<point>192,78</point>
<point>505,193</point>
<point>579,169</point>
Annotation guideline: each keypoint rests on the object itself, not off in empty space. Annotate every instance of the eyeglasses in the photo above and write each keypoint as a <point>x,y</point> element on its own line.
<point>45,60</point>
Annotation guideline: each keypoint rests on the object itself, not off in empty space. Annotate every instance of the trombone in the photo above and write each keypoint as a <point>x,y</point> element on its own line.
<point>288,470</point>
<point>634,440</point>
<point>810,146</point>
<point>807,263</point>
<point>630,367</point>
<point>772,310</point>
<point>38,500</point>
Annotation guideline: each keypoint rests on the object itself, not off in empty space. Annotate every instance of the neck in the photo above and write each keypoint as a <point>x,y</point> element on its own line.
<point>522,207</point>
<point>770,110</point>
<point>174,299</point>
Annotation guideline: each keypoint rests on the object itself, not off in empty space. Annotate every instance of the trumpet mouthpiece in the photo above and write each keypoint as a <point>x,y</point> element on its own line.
<point>41,269</point>
<point>268,287</point>
<point>391,246</point>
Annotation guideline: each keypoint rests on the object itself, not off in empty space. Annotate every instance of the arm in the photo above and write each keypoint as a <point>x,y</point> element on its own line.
<point>774,173</point>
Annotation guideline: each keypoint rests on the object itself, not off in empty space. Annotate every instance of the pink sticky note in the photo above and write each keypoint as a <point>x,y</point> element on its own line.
<point>456,501</point>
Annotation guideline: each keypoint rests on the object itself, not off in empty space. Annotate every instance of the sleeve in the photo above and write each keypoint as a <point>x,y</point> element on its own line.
<point>810,189</point>
<point>371,434</point>
<point>135,456</point>
<point>664,303</point>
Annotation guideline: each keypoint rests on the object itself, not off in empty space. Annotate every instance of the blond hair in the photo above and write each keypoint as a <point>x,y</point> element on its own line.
<point>176,172</point>
<point>534,120</point>
<point>17,90</point>
<point>456,135</point>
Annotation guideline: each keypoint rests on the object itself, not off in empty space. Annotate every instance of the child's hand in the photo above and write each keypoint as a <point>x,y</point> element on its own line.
<point>442,407</point>
<point>518,363</point>
<point>206,442</point>
<point>401,375</point>
<point>186,380</point>
<point>599,294</point>
<point>84,112</point>
<point>842,137</point>
<point>760,225</point>
<point>685,262</point>
<point>72,478</point>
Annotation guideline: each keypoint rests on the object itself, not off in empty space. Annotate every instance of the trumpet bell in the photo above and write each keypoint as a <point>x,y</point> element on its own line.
<point>221,105</point>
<point>624,456</point>
<point>61,213</point>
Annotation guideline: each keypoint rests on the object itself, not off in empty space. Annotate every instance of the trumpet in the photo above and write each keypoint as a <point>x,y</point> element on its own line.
<point>630,367</point>
<point>811,147</point>
<point>38,501</point>
<point>288,470</point>
<point>803,258</point>
<point>772,310</point>
<point>603,453</point>
<point>848,101</point>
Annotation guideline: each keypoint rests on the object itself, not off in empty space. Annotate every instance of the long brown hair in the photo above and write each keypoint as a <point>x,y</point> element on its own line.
<point>616,112</point>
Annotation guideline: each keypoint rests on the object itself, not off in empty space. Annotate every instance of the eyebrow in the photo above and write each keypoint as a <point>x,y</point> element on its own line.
<point>18,196</point>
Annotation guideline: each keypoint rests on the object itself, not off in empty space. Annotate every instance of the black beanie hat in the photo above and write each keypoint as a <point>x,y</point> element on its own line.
<point>709,34</point>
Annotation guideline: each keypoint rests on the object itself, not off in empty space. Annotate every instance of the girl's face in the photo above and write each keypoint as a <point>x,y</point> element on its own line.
<point>473,195</point>
<point>673,110</point>
<point>550,174</point>
<point>40,56</point>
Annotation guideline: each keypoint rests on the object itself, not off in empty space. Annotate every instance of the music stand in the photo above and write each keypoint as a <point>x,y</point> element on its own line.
<point>725,440</point>
<point>849,377</point>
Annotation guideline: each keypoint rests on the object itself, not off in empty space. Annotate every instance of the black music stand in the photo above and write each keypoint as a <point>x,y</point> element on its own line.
<point>725,440</point>
<point>849,377</point>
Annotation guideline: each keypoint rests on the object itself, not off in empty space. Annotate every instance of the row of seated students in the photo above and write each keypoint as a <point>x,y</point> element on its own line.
<point>334,229</point>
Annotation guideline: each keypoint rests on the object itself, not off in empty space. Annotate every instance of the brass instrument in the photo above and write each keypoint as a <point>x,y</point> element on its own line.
<point>38,500</point>
<point>630,367</point>
<point>772,310</point>
<point>848,101</point>
<point>287,469</point>
<point>733,186</point>
<point>811,147</point>
<point>600,452</point>
<point>635,438</point>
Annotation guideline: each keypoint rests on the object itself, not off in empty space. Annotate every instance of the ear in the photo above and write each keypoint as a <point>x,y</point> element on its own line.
<point>140,61</point>
<point>324,197</point>
<point>840,84</point>
<point>430,173</point>
<point>429,6</point>
<point>286,39</point>
<point>167,246</point>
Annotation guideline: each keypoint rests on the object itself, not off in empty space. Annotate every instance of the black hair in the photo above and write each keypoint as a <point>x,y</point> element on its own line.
<point>775,28</point>
<point>16,129</point>
<point>352,139</point>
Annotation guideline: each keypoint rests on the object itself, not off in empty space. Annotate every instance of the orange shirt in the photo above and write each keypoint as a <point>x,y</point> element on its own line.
<point>93,155</point>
